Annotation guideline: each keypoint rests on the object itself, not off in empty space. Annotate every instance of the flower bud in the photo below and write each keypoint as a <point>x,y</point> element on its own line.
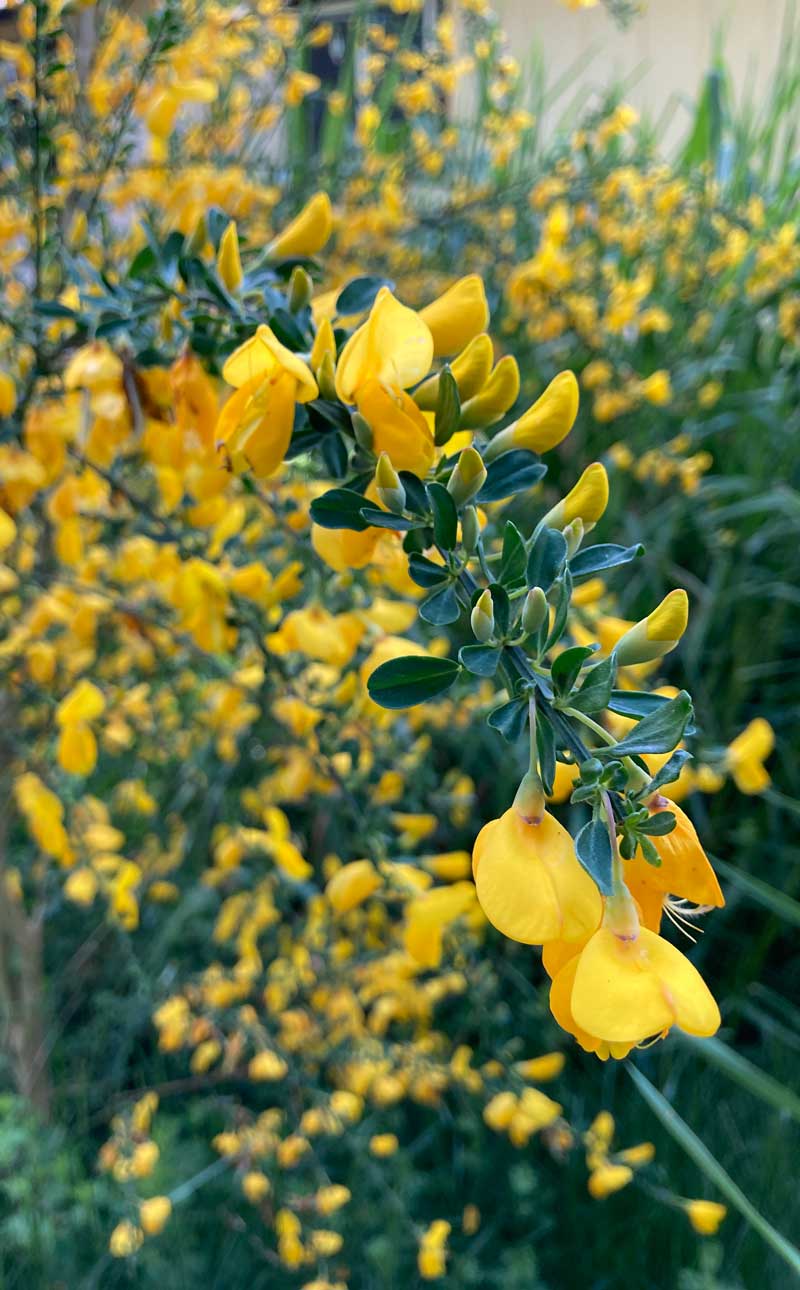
<point>482,617</point>
<point>324,343</point>
<point>326,377</point>
<point>388,485</point>
<point>301,289</point>
<point>307,233</point>
<point>496,397</point>
<point>471,370</point>
<point>229,264</point>
<point>468,477</point>
<point>657,634</point>
<point>362,431</point>
<point>534,611</point>
<point>529,801</point>
<point>587,500</point>
<point>470,529</point>
<point>199,237</point>
<point>545,424</point>
<point>573,535</point>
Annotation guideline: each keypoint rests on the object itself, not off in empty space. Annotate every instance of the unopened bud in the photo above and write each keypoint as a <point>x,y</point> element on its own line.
<point>301,289</point>
<point>197,241</point>
<point>657,634</point>
<point>388,485</point>
<point>587,500</point>
<point>470,529</point>
<point>326,378</point>
<point>530,801</point>
<point>362,431</point>
<point>229,264</point>
<point>534,611</point>
<point>482,617</point>
<point>573,535</point>
<point>468,477</point>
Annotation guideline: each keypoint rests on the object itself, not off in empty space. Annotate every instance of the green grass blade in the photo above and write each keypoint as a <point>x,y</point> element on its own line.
<point>702,1157</point>
<point>750,1077</point>
<point>764,894</point>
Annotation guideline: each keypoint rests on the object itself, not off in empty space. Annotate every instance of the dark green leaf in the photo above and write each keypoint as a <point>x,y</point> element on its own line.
<point>340,508</point>
<point>334,455</point>
<point>502,607</point>
<point>287,330</point>
<point>416,497</point>
<point>323,413</point>
<point>635,703</point>
<point>448,408</point>
<point>481,660</point>
<point>595,690</point>
<point>402,682</point>
<point>546,559</point>
<point>512,473</point>
<point>386,519</point>
<point>596,559</point>
<point>359,295</point>
<point>546,749</point>
<point>657,733</point>
<point>567,665</point>
<point>441,607</point>
<point>593,849</point>
<point>670,770</point>
<point>512,564</point>
<point>562,610</point>
<point>445,516</point>
<point>424,571</point>
<point>510,719</point>
<point>658,824</point>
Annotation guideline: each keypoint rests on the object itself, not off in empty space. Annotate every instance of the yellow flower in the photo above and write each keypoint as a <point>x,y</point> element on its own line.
<point>545,424</point>
<point>529,882</point>
<point>494,398</point>
<point>308,231</point>
<point>255,424</point>
<point>705,1216</point>
<point>229,264</point>
<point>684,869</point>
<point>627,990</point>
<point>351,885</point>
<point>656,634</point>
<point>154,1214</point>
<point>586,501</point>
<point>432,1253</point>
<point>745,757</point>
<point>8,530</point>
<point>8,394</point>
<point>125,1240</point>
<point>657,388</point>
<point>81,887</point>
<point>383,1145</point>
<point>471,370</point>
<point>267,1066</point>
<point>255,1186</point>
<point>607,1179</point>
<point>457,316</point>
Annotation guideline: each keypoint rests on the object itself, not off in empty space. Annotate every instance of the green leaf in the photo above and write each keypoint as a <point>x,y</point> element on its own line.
<point>502,607</point>
<point>425,572</point>
<point>546,750</point>
<point>546,558</point>
<point>510,719</point>
<point>512,563</point>
<point>593,849</point>
<point>402,682</point>
<point>359,294</point>
<point>339,508</point>
<point>481,660</point>
<point>416,497</point>
<point>379,519</point>
<point>595,690</point>
<point>567,665</point>
<point>514,472</point>
<point>635,703</point>
<point>448,408</point>
<point>658,825</point>
<point>670,770</point>
<point>657,733</point>
<point>562,610</point>
<point>445,516</point>
<point>441,607</point>
<point>745,1073</point>
<point>287,331</point>
<point>596,559</point>
<point>702,1157</point>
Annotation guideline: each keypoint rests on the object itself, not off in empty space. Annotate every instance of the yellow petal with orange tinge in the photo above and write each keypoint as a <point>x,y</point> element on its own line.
<point>626,991</point>
<point>308,232</point>
<point>529,882</point>
<point>457,316</point>
<point>685,869</point>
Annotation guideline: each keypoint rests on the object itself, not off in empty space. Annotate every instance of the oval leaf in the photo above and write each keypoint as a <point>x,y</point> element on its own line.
<point>402,682</point>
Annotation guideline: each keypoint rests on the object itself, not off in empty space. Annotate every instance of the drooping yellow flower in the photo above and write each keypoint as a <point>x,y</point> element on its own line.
<point>255,425</point>
<point>308,232</point>
<point>685,870</point>
<point>457,316</point>
<point>629,989</point>
<point>545,424</point>
<point>745,757</point>
<point>530,883</point>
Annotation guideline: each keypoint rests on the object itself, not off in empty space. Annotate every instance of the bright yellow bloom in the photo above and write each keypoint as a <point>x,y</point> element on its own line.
<point>745,757</point>
<point>705,1216</point>
<point>308,232</point>
<point>530,883</point>
<point>684,871</point>
<point>545,424</point>
<point>125,1239</point>
<point>255,425</point>
<point>154,1214</point>
<point>267,1066</point>
<point>351,885</point>
<point>457,316</point>
<point>608,1178</point>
